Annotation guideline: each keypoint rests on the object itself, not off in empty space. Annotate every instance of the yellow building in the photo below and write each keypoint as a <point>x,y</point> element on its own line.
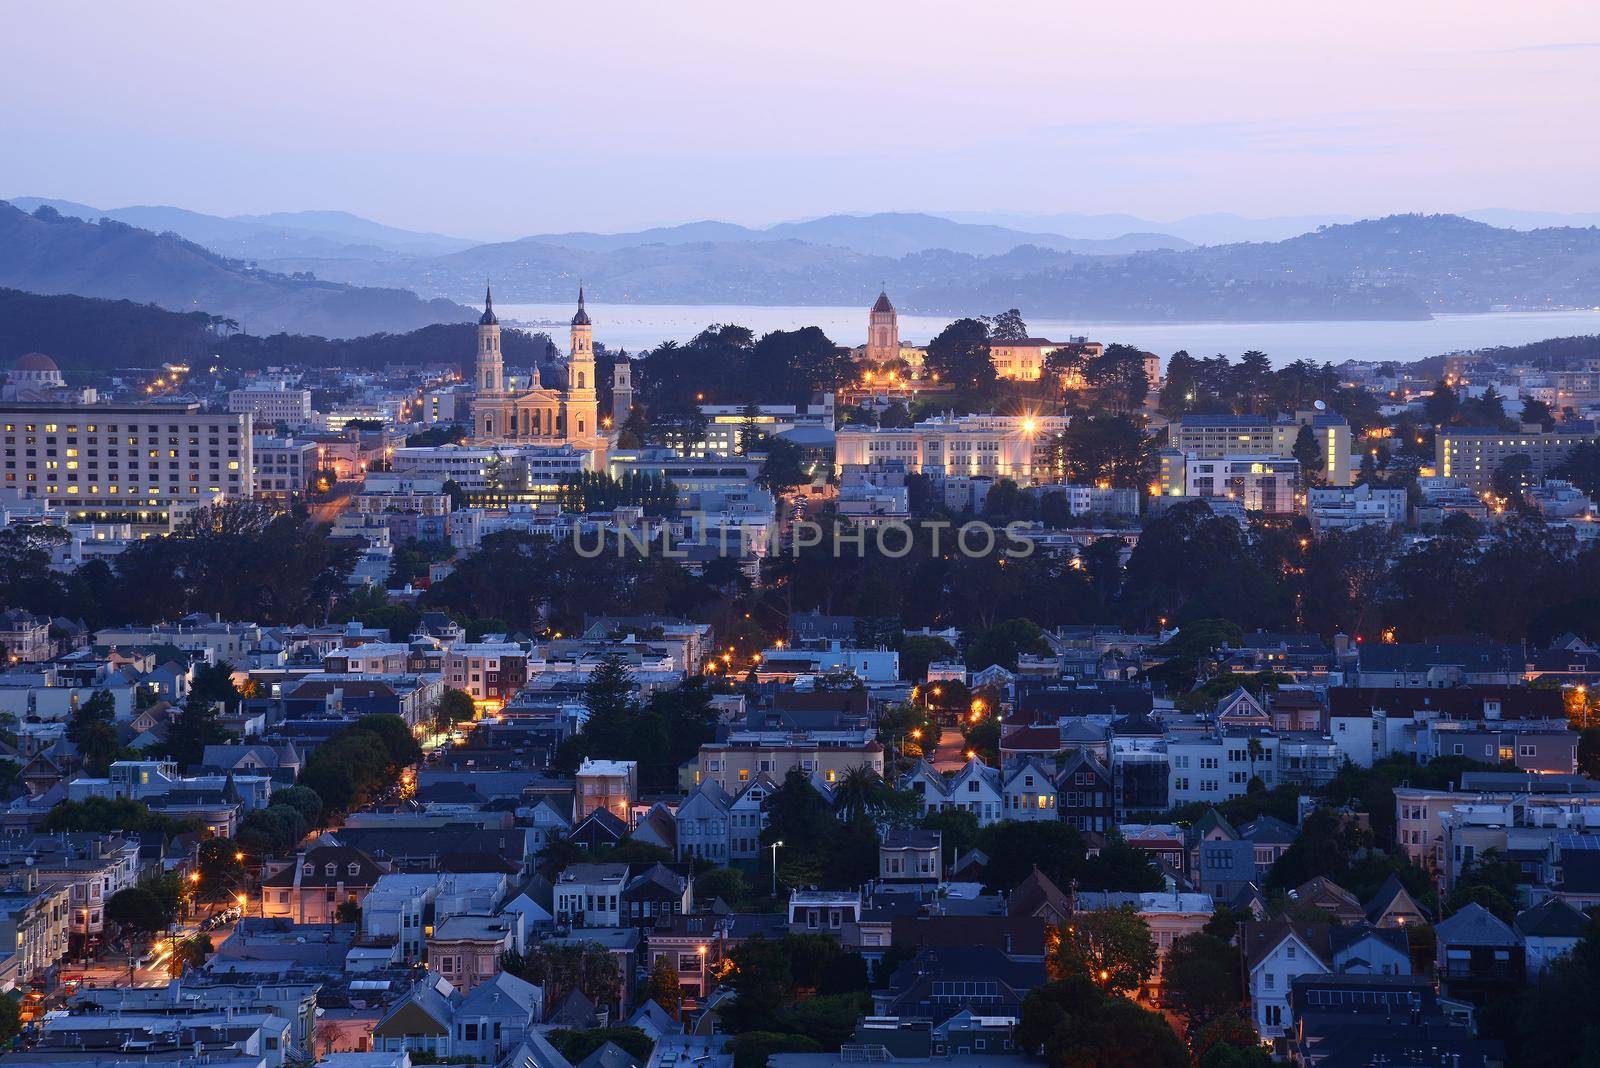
<point>569,415</point>
<point>1213,437</point>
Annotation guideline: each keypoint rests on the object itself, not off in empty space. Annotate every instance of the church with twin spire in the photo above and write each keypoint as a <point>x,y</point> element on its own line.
<point>569,415</point>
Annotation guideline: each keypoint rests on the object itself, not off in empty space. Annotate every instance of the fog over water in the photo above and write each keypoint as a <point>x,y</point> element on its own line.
<point>641,326</point>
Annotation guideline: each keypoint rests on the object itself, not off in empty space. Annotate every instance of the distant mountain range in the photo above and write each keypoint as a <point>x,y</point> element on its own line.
<point>339,274</point>
<point>54,253</point>
<point>1226,228</point>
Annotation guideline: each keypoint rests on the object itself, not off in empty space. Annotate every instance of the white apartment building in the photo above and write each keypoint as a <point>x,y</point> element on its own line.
<point>122,459</point>
<point>999,446</point>
<point>283,466</point>
<point>1345,508</point>
<point>272,403</point>
<point>1258,483</point>
<point>1215,768</point>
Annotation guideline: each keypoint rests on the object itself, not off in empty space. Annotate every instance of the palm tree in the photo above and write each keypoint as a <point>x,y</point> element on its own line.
<point>857,792</point>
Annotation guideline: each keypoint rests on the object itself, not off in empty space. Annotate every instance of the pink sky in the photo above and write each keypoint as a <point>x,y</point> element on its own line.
<point>494,120</point>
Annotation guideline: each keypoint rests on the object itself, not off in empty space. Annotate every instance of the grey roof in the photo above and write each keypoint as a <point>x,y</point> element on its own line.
<point>609,1055</point>
<point>1552,918</point>
<point>1476,926</point>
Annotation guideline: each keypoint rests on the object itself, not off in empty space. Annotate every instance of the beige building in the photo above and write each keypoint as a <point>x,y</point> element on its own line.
<point>142,461</point>
<point>609,784</point>
<point>999,446</point>
<point>826,755</point>
<point>1474,454</point>
<point>569,415</point>
<point>466,949</point>
<point>1215,437</point>
<point>318,882</point>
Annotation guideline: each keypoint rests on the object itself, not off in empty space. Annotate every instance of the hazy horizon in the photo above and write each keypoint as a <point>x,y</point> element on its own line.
<point>501,120</point>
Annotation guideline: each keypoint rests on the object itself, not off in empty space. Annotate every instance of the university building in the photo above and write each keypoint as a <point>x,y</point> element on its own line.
<point>1473,454</point>
<point>123,460</point>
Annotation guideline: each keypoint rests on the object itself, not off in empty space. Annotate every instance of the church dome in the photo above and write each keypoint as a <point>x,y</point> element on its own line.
<point>35,361</point>
<point>487,318</point>
<point>582,318</point>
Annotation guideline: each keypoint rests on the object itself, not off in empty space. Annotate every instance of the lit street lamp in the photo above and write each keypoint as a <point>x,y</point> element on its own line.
<point>775,846</point>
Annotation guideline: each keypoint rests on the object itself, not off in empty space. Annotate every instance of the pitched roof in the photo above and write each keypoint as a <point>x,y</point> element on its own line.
<point>1476,926</point>
<point>1259,940</point>
<point>1552,918</point>
<point>1035,892</point>
<point>882,304</point>
<point>1387,895</point>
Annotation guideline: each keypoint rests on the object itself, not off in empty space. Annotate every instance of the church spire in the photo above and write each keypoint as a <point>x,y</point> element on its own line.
<point>582,318</point>
<point>488,318</point>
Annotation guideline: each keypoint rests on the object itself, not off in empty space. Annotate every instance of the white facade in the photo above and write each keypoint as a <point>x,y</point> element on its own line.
<point>272,404</point>
<point>1259,483</point>
<point>123,458</point>
<point>283,466</point>
<point>1213,769</point>
<point>999,446</point>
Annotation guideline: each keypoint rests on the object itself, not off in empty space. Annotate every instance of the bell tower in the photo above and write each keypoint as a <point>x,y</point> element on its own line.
<point>490,373</point>
<point>621,391</point>
<point>883,331</point>
<point>583,406</point>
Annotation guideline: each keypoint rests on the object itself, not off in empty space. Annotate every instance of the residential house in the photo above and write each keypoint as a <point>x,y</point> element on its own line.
<point>590,895</point>
<point>1276,952</point>
<point>1549,930</point>
<point>747,817</point>
<point>482,1025</point>
<point>1393,906</point>
<point>1029,790</point>
<point>1321,893</point>
<point>910,855</point>
<point>466,949</point>
<point>703,823</point>
<point>653,893</point>
<point>1083,792</point>
<point>319,882</point>
<point>1479,957</point>
<point>1361,948</point>
<point>612,785</point>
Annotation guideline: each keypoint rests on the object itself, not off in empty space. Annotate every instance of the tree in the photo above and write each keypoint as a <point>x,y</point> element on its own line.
<point>662,986</point>
<point>1535,410</point>
<point>303,800</point>
<point>726,883</point>
<point>1117,378</point>
<point>189,953</point>
<point>195,727</point>
<point>136,909</point>
<point>1442,405</point>
<point>609,691</point>
<point>1201,977</point>
<point>1007,326</point>
<point>455,706</point>
<point>752,1049</point>
<point>1004,642</point>
<point>1073,1024</point>
<point>917,651</point>
<point>347,912</point>
<point>1511,479</point>
<point>1111,947</point>
<point>960,356</point>
<point>1308,451</point>
<point>10,1017</point>
<point>1108,449</point>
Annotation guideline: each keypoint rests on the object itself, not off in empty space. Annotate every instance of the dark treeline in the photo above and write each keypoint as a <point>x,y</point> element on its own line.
<point>726,363</point>
<point>239,561</point>
<point>1189,565</point>
<point>73,330</point>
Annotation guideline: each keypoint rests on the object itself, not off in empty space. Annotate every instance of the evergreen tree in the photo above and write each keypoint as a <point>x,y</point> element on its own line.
<point>1308,451</point>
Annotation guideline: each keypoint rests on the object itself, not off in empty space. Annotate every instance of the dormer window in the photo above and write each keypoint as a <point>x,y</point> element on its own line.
<point>331,869</point>
<point>354,869</point>
<point>310,869</point>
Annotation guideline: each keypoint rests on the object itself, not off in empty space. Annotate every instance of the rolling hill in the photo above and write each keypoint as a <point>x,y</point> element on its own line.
<point>48,252</point>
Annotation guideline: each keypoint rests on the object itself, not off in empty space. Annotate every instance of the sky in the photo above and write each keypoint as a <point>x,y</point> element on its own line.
<point>494,120</point>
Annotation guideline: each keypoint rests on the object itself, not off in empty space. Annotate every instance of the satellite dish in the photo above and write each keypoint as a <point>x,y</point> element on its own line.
<point>1319,406</point>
